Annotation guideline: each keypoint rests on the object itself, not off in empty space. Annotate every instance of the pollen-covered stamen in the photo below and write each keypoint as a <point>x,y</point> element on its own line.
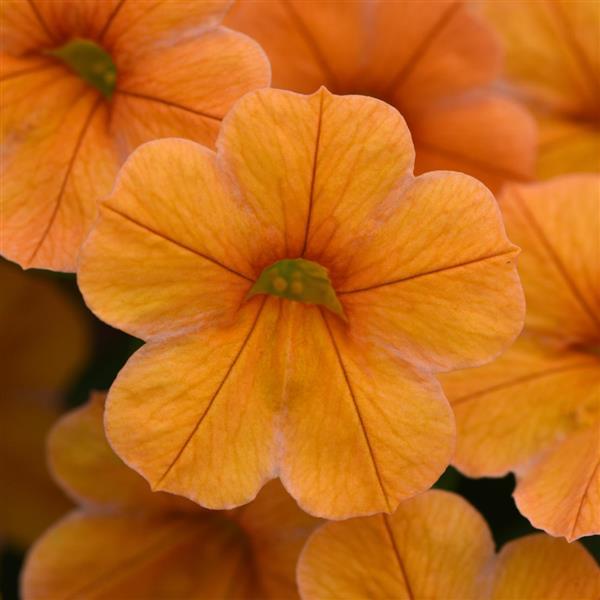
<point>91,62</point>
<point>300,280</point>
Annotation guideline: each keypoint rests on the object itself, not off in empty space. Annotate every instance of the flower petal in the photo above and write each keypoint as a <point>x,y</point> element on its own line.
<point>560,492</point>
<point>439,284</point>
<point>93,474</point>
<point>154,97</point>
<point>278,529</point>
<point>30,501</point>
<point>552,50</point>
<point>58,160</point>
<point>195,414</point>
<point>304,40</point>
<point>360,430</point>
<point>23,28</point>
<point>134,27</point>
<point>538,567</point>
<point>567,146</point>
<point>44,336</point>
<point>313,167</point>
<point>396,437</point>
<point>561,258</point>
<point>435,545</point>
<point>486,136</point>
<point>518,405</point>
<point>138,556</point>
<point>173,207</point>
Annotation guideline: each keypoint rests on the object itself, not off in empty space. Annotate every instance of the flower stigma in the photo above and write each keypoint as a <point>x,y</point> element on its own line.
<point>91,62</point>
<point>299,280</point>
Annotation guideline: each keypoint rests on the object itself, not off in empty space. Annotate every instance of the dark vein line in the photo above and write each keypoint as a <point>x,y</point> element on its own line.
<point>311,197</point>
<point>123,569</point>
<point>421,50</point>
<point>168,103</point>
<point>310,41</point>
<point>475,163</point>
<point>110,20</point>
<point>583,497</point>
<point>426,273</point>
<point>213,397</point>
<point>71,164</point>
<point>388,528</point>
<point>522,379</point>
<point>161,235</point>
<point>41,21</point>
<point>27,71</point>
<point>589,73</point>
<point>356,408</point>
<point>533,223</point>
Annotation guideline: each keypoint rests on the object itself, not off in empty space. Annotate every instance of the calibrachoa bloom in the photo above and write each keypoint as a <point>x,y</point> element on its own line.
<point>438,546</point>
<point>553,62</point>
<point>43,343</point>
<point>536,410</point>
<point>83,82</point>
<point>297,289</point>
<point>434,61</point>
<point>126,542</point>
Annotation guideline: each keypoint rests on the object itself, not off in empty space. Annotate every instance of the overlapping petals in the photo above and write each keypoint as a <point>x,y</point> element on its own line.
<point>230,392</point>
<point>177,75</point>
<point>434,546</point>
<point>44,343</point>
<point>536,410</point>
<point>140,544</point>
<point>553,62</point>
<point>439,76</point>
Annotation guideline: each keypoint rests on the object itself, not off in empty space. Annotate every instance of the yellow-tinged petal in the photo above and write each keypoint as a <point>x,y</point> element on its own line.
<point>204,407</point>
<point>484,135</point>
<point>560,491</point>
<point>433,546</point>
<point>552,50</point>
<point>139,556</point>
<point>438,546</point>
<point>313,167</point>
<point>441,286</point>
<point>89,470</point>
<point>239,405</point>
<point>360,430</point>
<point>567,146</point>
<point>446,52</point>
<point>154,97</point>
<point>538,567</point>
<point>556,224</point>
<point>520,404</point>
<point>57,161</point>
<point>173,249</point>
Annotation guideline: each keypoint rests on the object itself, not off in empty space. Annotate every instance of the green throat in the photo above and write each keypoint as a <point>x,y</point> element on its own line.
<point>91,62</point>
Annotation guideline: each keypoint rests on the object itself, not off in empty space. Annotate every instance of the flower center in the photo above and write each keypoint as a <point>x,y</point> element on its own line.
<point>91,62</point>
<point>300,280</point>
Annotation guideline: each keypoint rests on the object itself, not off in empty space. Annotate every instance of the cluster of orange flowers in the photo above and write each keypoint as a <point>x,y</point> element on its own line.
<point>331,308</point>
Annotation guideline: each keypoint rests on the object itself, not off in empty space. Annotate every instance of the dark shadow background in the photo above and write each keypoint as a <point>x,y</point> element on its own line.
<point>112,348</point>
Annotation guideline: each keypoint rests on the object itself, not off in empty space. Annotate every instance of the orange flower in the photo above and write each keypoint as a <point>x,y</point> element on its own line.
<point>126,542</point>
<point>536,411</point>
<point>553,62</point>
<point>438,546</point>
<point>83,82</point>
<point>43,344</point>
<point>297,289</point>
<point>433,61</point>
